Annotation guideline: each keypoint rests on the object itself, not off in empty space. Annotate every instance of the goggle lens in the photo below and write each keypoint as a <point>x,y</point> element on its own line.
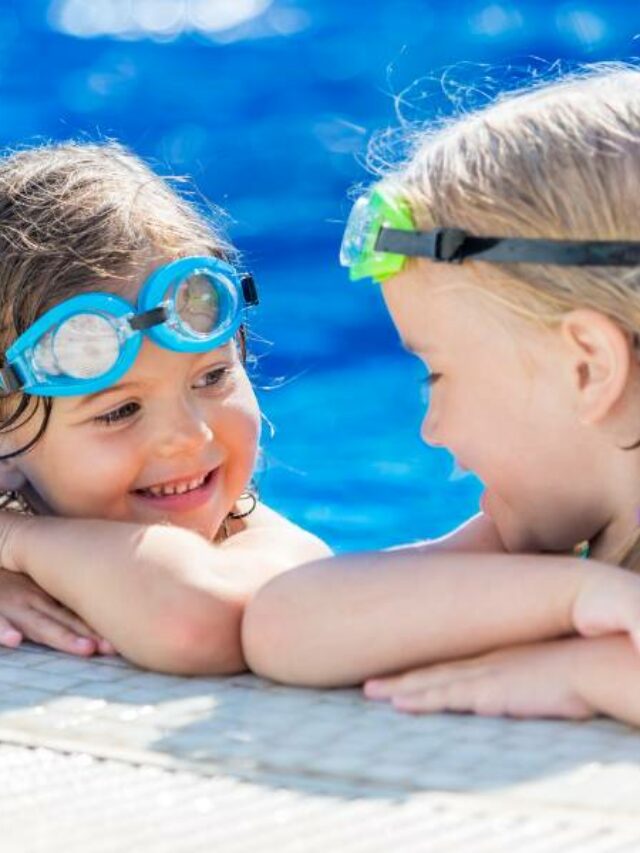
<point>359,229</point>
<point>197,304</point>
<point>369,214</point>
<point>83,347</point>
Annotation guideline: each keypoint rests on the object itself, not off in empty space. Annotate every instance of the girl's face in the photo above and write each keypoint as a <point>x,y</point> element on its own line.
<point>498,401</point>
<point>172,421</point>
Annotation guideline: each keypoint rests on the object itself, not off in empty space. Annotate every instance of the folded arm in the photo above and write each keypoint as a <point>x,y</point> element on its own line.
<point>164,596</point>
<point>343,620</point>
<point>607,677</point>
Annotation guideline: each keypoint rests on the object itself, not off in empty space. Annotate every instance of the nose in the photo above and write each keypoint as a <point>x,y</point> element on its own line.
<point>184,431</point>
<point>428,431</point>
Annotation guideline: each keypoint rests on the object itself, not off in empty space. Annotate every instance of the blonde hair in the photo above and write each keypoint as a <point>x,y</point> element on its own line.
<point>560,161</point>
<point>73,215</point>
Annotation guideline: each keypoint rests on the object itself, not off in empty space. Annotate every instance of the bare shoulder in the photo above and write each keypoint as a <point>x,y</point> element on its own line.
<point>477,534</point>
<point>268,528</point>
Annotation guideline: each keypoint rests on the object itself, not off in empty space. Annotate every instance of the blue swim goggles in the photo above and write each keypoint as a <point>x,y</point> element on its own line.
<point>89,341</point>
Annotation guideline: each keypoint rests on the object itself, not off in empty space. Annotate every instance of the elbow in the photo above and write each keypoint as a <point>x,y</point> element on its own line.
<point>206,641</point>
<point>265,635</point>
<point>275,637</point>
<point>198,635</point>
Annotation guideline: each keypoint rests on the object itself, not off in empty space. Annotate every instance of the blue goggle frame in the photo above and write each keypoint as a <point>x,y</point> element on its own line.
<point>155,315</point>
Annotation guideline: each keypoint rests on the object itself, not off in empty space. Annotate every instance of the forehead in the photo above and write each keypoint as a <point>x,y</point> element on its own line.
<point>129,285</point>
<point>440,305</point>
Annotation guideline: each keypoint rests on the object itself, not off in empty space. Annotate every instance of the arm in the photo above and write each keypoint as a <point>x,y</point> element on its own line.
<point>339,621</point>
<point>164,596</point>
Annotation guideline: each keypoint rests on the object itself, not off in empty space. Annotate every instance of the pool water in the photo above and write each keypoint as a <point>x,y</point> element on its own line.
<point>344,403</point>
<point>270,106</point>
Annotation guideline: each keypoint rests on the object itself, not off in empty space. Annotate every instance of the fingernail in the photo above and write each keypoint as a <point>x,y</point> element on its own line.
<point>83,644</point>
<point>373,689</point>
<point>10,637</point>
<point>106,648</point>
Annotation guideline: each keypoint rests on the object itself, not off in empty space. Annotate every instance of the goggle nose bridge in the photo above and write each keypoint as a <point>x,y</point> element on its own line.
<point>148,319</point>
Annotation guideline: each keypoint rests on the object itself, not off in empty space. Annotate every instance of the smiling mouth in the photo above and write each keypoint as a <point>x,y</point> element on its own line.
<point>171,490</point>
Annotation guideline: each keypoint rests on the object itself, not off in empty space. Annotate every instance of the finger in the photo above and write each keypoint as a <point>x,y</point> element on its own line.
<point>74,623</point>
<point>59,613</point>
<point>459,696</point>
<point>378,689</point>
<point>43,629</point>
<point>428,701</point>
<point>9,634</point>
<point>385,688</point>
<point>422,679</point>
<point>106,648</point>
<point>69,619</point>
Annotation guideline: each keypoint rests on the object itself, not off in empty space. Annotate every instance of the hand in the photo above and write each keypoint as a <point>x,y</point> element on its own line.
<point>27,612</point>
<point>608,603</point>
<point>533,680</point>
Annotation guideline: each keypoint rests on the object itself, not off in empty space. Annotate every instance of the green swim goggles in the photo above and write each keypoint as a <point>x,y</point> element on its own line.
<point>380,235</point>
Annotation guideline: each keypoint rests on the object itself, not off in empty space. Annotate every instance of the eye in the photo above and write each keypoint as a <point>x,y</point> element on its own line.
<point>213,377</point>
<point>122,413</point>
<point>426,383</point>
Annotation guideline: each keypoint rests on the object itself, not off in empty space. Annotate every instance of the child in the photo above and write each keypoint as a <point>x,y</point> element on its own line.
<point>128,426</point>
<point>508,248</point>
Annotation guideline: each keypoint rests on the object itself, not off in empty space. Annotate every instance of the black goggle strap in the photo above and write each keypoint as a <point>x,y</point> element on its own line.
<point>249,289</point>
<point>453,245</point>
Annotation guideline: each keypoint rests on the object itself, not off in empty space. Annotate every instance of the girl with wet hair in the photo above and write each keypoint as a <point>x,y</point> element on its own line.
<point>507,247</point>
<point>128,426</point>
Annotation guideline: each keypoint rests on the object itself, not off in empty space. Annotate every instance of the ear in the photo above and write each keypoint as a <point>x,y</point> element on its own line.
<point>600,354</point>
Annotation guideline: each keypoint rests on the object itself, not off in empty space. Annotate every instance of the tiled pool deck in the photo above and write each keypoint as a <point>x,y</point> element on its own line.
<point>99,756</point>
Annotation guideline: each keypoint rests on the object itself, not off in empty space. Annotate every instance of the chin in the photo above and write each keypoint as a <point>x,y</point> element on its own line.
<point>206,524</point>
<point>520,540</point>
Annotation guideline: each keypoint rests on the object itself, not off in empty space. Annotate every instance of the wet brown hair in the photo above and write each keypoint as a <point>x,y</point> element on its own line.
<point>80,216</point>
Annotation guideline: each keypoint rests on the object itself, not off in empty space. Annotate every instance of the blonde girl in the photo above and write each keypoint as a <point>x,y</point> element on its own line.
<point>508,250</point>
<point>128,425</point>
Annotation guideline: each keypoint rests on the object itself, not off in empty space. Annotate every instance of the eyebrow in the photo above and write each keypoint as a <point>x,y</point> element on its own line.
<point>114,389</point>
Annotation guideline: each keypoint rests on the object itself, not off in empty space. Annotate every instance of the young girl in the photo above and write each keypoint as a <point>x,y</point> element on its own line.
<point>508,249</point>
<point>128,426</point>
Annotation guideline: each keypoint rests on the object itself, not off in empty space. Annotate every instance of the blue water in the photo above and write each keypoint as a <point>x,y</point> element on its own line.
<point>271,113</point>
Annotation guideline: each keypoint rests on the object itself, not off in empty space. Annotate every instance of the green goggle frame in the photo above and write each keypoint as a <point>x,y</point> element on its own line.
<point>380,235</point>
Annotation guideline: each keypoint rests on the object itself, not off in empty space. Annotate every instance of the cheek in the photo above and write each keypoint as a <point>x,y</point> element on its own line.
<point>81,477</point>
<point>238,428</point>
<point>469,416</point>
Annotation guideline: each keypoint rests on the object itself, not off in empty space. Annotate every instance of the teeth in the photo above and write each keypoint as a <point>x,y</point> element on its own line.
<point>180,489</point>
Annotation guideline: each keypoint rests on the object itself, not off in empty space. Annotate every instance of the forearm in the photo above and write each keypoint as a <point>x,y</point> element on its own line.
<point>343,620</point>
<point>607,677</point>
<point>153,591</point>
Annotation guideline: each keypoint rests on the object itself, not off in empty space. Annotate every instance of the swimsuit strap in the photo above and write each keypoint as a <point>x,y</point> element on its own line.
<point>582,549</point>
